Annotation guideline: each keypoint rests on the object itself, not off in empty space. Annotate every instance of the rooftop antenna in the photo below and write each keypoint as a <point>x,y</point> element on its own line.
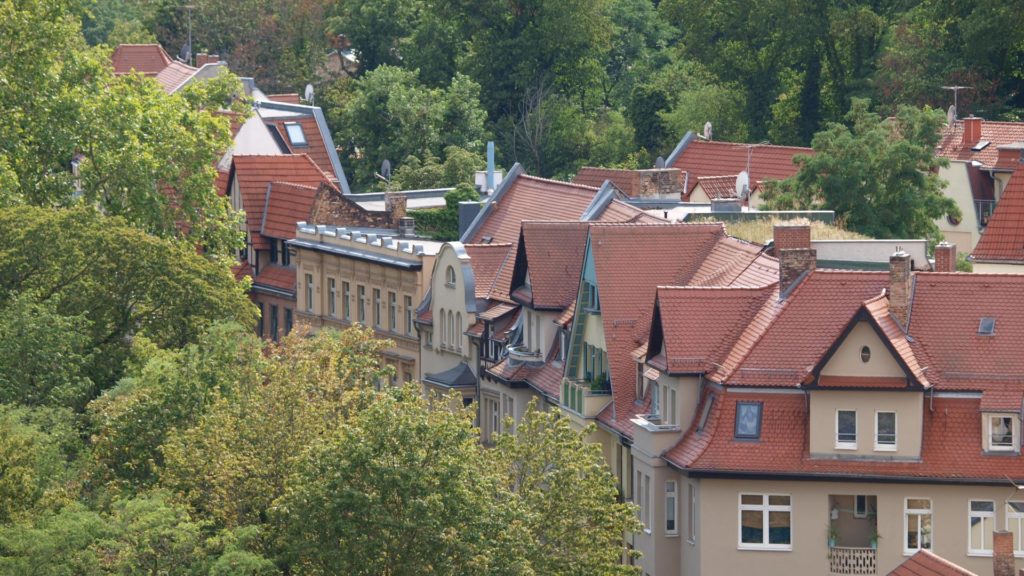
<point>742,184</point>
<point>385,173</point>
<point>956,93</point>
<point>309,94</point>
<point>188,53</point>
<point>707,130</point>
<point>659,163</point>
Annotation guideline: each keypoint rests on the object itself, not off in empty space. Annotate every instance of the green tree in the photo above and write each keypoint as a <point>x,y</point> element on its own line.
<point>443,223</point>
<point>31,460</point>
<point>878,174</point>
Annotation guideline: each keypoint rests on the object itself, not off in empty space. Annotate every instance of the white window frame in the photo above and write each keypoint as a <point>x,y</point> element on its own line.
<point>918,513</point>
<point>691,514</point>
<point>332,298</point>
<point>765,509</point>
<point>671,508</point>
<point>880,447</point>
<point>988,524</point>
<point>1013,433</point>
<point>859,512</point>
<point>309,293</point>
<point>296,135</point>
<point>1018,517</point>
<point>845,444</point>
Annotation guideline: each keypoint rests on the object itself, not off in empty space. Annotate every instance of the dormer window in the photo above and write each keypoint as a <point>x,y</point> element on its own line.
<point>987,326</point>
<point>295,134</point>
<point>1000,433</point>
<point>704,414</point>
<point>591,301</point>
<point>748,421</point>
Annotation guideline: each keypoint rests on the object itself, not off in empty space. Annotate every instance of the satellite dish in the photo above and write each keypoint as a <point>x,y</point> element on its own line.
<point>951,114</point>
<point>742,184</point>
<point>659,163</point>
<point>309,93</point>
<point>707,130</point>
<point>385,169</point>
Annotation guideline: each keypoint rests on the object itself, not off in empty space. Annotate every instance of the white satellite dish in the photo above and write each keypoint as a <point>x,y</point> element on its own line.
<point>309,93</point>
<point>707,130</point>
<point>951,114</point>
<point>659,163</point>
<point>742,184</point>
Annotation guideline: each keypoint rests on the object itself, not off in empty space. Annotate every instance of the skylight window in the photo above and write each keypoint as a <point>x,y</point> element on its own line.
<point>987,326</point>
<point>980,146</point>
<point>748,420</point>
<point>295,134</point>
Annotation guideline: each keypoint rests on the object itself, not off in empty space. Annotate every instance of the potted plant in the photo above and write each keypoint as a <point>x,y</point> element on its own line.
<point>874,538</point>
<point>833,535</point>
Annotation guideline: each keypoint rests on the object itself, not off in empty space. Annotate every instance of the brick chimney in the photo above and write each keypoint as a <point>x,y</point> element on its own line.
<point>658,183</point>
<point>796,257</point>
<point>900,286</point>
<point>972,130</point>
<point>394,206</point>
<point>203,58</point>
<point>1010,155</point>
<point>1002,553</point>
<point>945,257</point>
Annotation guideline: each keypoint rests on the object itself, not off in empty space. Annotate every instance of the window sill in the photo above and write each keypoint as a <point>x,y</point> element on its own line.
<point>765,548</point>
<point>845,446</point>
<point>885,448</point>
<point>671,535</point>
<point>982,554</point>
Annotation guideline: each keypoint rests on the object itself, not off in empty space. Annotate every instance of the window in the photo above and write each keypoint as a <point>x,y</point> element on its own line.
<point>287,321</point>
<point>295,134</point>
<point>510,412</point>
<point>704,413</point>
<point>670,508</point>
<point>655,399</point>
<point>444,333</point>
<point>765,522</point>
<point>449,277</point>
<point>273,322</point>
<point>286,258</point>
<point>458,331</point>
<point>392,311</point>
<point>691,515</point>
<point>273,251</point>
<point>642,498</point>
<point>376,307</point>
<point>748,420</point>
<point>346,309</point>
<point>981,520</point>
<point>1000,433</point>
<point>332,297</point>
<point>309,293</point>
<point>408,315</point>
<point>361,292</point>
<point>671,408</point>
<point>1015,524</point>
<point>865,354</point>
<point>846,429</point>
<point>987,326</point>
<point>860,506</point>
<point>259,321</point>
<point>917,525</point>
<point>451,329</point>
<point>885,430</point>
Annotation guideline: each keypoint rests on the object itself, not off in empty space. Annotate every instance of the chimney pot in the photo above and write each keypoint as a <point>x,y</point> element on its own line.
<point>972,130</point>
<point>945,257</point>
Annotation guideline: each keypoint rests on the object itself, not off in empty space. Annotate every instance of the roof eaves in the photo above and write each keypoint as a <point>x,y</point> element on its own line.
<point>605,195</point>
<point>680,147</point>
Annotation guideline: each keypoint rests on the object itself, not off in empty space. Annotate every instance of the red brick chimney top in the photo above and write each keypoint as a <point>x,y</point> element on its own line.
<point>972,130</point>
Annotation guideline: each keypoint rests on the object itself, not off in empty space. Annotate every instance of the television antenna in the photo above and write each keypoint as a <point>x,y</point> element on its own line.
<point>188,52</point>
<point>956,93</point>
<point>309,94</point>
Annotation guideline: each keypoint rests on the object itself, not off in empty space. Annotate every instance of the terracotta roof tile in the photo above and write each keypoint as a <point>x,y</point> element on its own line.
<point>702,158</point>
<point>147,59</point>
<point>927,563</point>
<point>174,75</point>
<point>628,181</point>
<point>718,187</point>
<point>951,144</point>
<point>291,98</point>
<point>554,256</point>
<point>281,277</point>
<point>1003,239</point>
<point>487,261</point>
<point>286,205</point>
<point>315,147</point>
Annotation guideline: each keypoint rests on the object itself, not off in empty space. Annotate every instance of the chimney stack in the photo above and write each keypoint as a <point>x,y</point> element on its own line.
<point>394,207</point>
<point>203,58</point>
<point>945,257</point>
<point>972,130</point>
<point>1010,155</point>
<point>796,257</point>
<point>1002,553</point>
<point>900,286</point>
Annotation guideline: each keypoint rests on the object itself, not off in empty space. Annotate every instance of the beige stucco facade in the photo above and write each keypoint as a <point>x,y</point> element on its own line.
<point>998,268</point>
<point>443,343</point>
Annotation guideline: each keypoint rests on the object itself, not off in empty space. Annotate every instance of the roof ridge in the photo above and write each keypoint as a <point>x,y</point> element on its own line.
<point>486,245</point>
<point>752,145</point>
<point>714,288</point>
<point>553,181</point>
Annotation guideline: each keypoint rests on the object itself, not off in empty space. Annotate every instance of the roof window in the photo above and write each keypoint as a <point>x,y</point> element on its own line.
<point>980,146</point>
<point>295,134</point>
<point>987,326</point>
<point>748,420</point>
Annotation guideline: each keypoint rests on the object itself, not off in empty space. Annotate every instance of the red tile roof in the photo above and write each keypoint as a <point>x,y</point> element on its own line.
<point>702,158</point>
<point>554,257</point>
<point>628,181</point>
<point>487,261</point>
<point>287,204</point>
<point>280,277</point>
<point>174,75</point>
<point>1003,239</point>
<point>718,187</point>
<point>255,173</point>
<point>147,59</point>
<point>315,146</point>
<point>951,145</point>
<point>927,563</point>
<point>291,98</point>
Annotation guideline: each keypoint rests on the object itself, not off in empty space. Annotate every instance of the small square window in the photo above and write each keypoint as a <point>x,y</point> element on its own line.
<point>748,420</point>
<point>987,326</point>
<point>1000,433</point>
<point>295,134</point>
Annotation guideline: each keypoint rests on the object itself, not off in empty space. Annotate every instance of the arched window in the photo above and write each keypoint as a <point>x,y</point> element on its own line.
<point>451,329</point>
<point>444,335</point>
<point>458,335</point>
<point>449,277</point>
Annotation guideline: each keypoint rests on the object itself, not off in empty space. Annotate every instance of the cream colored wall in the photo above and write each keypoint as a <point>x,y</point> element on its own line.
<point>989,268</point>
<point>847,359</point>
<point>521,397</point>
<point>435,358</point>
<point>719,536</point>
<point>661,551</point>
<point>699,196</point>
<point>908,406</point>
<point>965,234</point>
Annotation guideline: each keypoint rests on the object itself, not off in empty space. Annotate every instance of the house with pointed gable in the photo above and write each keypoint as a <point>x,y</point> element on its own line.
<point>1001,247</point>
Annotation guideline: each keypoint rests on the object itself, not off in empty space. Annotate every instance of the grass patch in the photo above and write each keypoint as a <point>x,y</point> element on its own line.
<point>761,230</point>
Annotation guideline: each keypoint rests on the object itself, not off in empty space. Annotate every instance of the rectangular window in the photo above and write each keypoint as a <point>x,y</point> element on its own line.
<point>295,134</point>
<point>1015,524</point>
<point>672,406</point>
<point>748,420</point>
<point>691,515</point>
<point>860,506</point>
<point>259,322</point>
<point>670,508</point>
<point>981,521</point>
<point>885,431</point>
<point>346,311</point>
<point>917,525</point>
<point>309,293</point>
<point>361,292</point>
<point>408,315</point>
<point>1000,433</point>
<point>273,251</point>
<point>376,307</point>
<point>287,321</point>
<point>765,522</point>
<point>332,297</point>
<point>655,399</point>
<point>273,322</point>
<point>392,311</point>
<point>647,504</point>
<point>846,429</point>
<point>286,258</point>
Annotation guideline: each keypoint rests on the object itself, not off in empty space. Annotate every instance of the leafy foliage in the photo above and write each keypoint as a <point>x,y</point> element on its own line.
<point>443,223</point>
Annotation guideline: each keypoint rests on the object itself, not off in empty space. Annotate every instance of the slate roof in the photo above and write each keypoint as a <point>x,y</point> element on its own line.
<point>951,144</point>
<point>700,158</point>
<point>927,563</point>
<point>254,175</point>
<point>146,59</point>
<point>1003,239</point>
<point>286,205</point>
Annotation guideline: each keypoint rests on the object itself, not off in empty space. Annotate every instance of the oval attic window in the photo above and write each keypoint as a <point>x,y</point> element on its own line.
<point>865,354</point>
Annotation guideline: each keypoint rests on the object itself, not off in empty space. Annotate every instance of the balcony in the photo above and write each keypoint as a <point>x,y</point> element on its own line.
<point>523,355</point>
<point>984,209</point>
<point>586,397</point>
<point>848,560</point>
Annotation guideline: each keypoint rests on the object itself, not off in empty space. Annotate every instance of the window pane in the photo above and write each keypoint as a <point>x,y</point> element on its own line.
<point>983,506</point>
<point>919,504</point>
<point>778,500</point>
<point>748,420</point>
<point>1002,431</point>
<point>755,499</point>
<point>847,426</point>
<point>1015,507</point>
<point>752,527</point>
<point>778,528</point>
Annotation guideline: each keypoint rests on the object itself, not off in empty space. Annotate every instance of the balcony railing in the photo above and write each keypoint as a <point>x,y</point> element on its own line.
<point>846,560</point>
<point>523,354</point>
